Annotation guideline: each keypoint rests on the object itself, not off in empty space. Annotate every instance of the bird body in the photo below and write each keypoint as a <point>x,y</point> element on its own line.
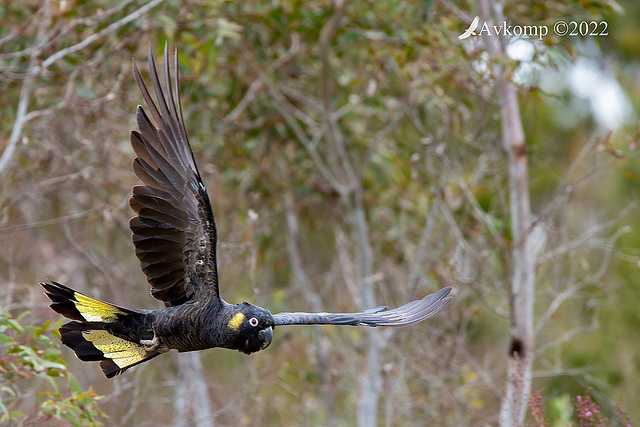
<point>175,239</point>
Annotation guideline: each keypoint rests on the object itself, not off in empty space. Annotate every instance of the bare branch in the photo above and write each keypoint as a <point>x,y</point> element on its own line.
<point>33,70</point>
<point>55,221</point>
<point>325,171</point>
<point>21,116</point>
<point>36,67</point>
<point>417,264</point>
<point>86,42</point>
<point>555,304</point>
<point>569,335</point>
<point>349,274</point>
<point>258,84</point>
<point>479,257</point>
<point>482,215</point>
<point>582,240</point>
<point>550,373</point>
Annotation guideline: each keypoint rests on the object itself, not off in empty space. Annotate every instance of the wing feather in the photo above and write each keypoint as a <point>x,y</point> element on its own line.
<point>412,312</point>
<point>174,229</point>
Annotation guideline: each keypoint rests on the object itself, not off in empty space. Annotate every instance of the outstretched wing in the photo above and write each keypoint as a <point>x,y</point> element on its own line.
<point>174,232</point>
<point>412,312</point>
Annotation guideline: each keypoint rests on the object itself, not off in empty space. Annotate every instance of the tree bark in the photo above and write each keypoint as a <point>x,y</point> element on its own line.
<point>520,351</point>
<point>192,405</point>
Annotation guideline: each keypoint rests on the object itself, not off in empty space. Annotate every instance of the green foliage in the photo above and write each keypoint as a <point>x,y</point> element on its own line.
<point>30,364</point>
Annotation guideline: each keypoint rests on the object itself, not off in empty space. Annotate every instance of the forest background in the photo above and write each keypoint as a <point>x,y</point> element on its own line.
<point>356,153</point>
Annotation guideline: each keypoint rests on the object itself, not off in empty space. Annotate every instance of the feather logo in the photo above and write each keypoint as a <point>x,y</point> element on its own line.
<point>471,31</point>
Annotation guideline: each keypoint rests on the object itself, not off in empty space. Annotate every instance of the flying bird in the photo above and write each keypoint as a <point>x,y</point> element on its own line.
<point>174,235</point>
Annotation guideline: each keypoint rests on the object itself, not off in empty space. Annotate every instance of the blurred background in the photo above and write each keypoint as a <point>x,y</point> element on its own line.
<point>353,155</point>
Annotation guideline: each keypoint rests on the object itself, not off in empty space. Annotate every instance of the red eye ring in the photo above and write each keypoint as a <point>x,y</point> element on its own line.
<point>253,321</point>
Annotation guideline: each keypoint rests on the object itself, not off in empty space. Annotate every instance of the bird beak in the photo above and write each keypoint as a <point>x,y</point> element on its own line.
<point>266,336</point>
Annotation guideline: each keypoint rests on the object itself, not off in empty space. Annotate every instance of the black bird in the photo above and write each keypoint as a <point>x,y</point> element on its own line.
<point>174,235</point>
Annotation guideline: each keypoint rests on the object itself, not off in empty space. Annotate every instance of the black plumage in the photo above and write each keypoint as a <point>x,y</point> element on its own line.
<point>175,239</point>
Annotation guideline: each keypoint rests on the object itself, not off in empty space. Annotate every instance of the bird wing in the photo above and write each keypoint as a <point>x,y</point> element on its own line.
<point>174,231</point>
<point>412,312</point>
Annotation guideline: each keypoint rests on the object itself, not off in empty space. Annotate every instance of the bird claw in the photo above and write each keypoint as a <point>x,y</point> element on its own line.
<point>154,345</point>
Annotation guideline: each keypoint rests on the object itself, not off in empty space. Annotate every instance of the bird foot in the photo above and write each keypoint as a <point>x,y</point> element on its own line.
<point>154,345</point>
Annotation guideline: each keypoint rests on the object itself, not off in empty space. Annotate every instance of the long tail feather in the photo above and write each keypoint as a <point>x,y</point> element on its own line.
<point>101,331</point>
<point>77,306</point>
<point>115,354</point>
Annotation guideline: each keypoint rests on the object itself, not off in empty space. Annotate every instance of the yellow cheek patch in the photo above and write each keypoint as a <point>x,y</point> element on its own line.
<point>122,353</point>
<point>95,311</point>
<point>236,321</point>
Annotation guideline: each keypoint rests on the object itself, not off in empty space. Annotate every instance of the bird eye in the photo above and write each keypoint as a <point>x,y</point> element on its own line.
<point>253,321</point>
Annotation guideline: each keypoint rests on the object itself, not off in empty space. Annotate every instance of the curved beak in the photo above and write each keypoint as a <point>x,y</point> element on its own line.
<point>266,335</point>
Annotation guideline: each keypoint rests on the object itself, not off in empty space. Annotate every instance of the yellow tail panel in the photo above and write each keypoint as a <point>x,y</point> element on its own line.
<point>93,310</point>
<point>123,353</point>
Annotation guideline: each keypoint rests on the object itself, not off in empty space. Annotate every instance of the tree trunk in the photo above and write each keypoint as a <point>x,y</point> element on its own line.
<point>520,351</point>
<point>191,398</point>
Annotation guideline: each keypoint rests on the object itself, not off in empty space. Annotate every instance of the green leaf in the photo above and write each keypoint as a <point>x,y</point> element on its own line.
<point>73,384</point>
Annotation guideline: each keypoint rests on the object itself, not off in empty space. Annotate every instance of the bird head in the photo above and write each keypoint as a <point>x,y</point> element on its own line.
<point>253,327</point>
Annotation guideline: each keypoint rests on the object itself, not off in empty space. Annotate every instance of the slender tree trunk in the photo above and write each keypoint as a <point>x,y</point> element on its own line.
<point>514,403</point>
<point>372,376</point>
<point>314,300</point>
<point>520,351</point>
<point>367,412</point>
<point>191,395</point>
<point>371,382</point>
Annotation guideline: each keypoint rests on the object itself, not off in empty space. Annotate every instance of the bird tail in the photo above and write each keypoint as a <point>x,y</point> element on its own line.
<point>101,331</point>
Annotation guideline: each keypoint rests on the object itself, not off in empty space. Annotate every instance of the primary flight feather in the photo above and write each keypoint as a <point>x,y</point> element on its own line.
<point>174,235</point>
